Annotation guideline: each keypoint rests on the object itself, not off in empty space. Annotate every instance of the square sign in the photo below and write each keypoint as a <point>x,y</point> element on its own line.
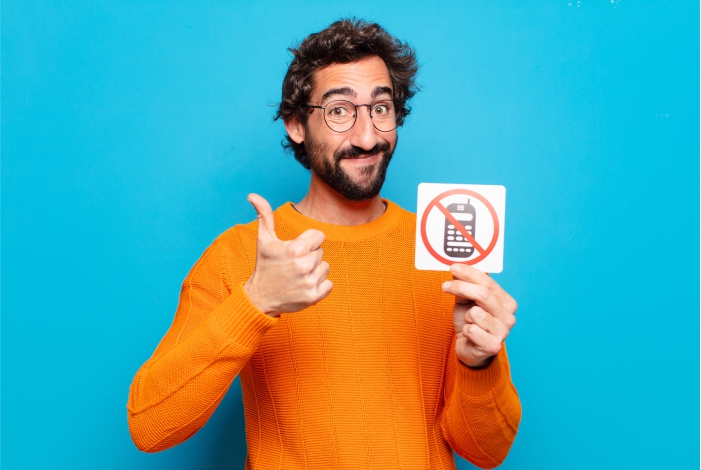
<point>460,223</point>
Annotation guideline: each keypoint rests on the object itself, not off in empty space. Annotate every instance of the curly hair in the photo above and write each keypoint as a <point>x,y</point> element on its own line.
<point>345,41</point>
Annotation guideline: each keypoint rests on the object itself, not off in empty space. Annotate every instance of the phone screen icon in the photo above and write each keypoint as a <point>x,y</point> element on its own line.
<point>454,244</point>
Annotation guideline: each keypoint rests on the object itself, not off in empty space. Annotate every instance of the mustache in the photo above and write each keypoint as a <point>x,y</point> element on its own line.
<point>357,152</point>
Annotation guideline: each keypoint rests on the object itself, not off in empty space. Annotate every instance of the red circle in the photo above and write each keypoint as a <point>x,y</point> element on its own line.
<point>434,202</point>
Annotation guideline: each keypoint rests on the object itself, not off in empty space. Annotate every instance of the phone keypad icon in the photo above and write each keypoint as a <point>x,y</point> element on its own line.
<point>454,243</point>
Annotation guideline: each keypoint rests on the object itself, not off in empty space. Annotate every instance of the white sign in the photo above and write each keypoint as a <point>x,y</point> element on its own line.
<point>460,223</point>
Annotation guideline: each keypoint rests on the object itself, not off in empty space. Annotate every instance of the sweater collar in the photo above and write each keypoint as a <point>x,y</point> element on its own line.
<point>349,233</point>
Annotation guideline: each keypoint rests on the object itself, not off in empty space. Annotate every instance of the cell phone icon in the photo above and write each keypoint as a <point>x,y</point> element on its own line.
<point>454,243</point>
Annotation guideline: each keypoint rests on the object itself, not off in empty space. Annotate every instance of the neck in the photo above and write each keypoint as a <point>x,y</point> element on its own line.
<point>326,205</point>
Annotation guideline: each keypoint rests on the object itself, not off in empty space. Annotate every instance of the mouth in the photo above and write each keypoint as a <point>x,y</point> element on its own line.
<point>364,159</point>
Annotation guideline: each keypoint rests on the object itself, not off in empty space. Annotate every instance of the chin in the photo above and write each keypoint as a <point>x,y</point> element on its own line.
<point>354,179</point>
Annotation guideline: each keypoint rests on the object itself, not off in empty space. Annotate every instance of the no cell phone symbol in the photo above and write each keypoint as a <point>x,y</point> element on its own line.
<point>454,243</point>
<point>460,224</point>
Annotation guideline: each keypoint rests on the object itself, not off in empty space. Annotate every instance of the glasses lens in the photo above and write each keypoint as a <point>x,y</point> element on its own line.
<point>340,115</point>
<point>383,116</point>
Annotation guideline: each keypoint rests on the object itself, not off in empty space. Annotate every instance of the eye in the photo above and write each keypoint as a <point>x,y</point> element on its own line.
<point>337,111</point>
<point>380,109</point>
<point>340,110</point>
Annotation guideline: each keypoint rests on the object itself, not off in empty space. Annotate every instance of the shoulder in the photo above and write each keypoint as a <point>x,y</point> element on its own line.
<point>236,250</point>
<point>238,242</point>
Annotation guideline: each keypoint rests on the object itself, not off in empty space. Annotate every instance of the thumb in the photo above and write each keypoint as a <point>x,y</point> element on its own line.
<point>266,220</point>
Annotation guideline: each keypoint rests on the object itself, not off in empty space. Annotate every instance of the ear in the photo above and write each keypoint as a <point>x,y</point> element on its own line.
<point>295,129</point>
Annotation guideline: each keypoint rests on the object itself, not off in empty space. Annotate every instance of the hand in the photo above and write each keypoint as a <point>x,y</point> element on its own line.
<point>289,275</point>
<point>483,314</point>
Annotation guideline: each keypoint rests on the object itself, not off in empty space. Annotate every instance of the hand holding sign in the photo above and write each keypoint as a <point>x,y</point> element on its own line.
<point>483,314</point>
<point>289,275</point>
<point>460,227</point>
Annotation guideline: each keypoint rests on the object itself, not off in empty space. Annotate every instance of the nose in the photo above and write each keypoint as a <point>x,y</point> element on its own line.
<point>363,133</point>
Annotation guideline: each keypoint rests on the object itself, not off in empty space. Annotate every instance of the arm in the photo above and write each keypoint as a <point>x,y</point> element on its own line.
<point>482,410</point>
<point>218,327</point>
<point>213,335</point>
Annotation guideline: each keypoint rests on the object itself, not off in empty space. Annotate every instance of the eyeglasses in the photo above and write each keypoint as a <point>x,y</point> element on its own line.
<point>340,115</point>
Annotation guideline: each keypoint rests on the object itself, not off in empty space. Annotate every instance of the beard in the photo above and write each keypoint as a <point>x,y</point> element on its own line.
<point>372,176</point>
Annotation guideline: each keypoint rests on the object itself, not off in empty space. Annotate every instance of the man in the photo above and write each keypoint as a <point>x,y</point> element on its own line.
<point>348,356</point>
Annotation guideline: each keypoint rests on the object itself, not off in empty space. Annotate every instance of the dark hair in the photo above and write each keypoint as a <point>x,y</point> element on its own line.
<point>345,41</point>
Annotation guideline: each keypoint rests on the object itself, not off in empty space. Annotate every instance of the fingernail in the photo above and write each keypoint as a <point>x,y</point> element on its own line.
<point>446,284</point>
<point>456,267</point>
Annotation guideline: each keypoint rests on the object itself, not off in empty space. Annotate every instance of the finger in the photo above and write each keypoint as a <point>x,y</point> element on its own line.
<point>484,342</point>
<point>468,273</point>
<point>266,220</point>
<point>307,264</point>
<point>459,311</point>
<point>480,294</point>
<point>477,316</point>
<point>321,272</point>
<point>324,289</point>
<point>318,256</point>
<point>466,350</point>
<point>309,240</point>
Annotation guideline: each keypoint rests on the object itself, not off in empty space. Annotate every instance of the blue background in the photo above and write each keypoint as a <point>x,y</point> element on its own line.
<point>132,132</point>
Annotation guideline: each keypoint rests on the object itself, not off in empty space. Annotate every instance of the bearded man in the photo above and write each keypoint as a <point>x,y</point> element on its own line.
<point>348,356</point>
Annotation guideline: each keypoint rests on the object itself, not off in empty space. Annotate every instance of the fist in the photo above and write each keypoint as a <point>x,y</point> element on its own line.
<point>289,275</point>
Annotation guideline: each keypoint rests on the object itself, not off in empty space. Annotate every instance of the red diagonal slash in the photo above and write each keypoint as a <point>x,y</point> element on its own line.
<point>459,227</point>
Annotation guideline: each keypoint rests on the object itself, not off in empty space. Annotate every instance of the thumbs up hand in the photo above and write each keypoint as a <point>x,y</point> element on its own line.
<point>289,275</point>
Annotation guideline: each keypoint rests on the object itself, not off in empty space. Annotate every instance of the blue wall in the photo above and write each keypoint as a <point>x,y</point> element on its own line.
<point>132,132</point>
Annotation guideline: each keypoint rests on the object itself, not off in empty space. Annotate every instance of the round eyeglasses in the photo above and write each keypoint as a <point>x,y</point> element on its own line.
<point>340,115</point>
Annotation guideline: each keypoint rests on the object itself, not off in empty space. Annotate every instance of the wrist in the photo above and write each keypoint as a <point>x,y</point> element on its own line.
<point>480,365</point>
<point>256,299</point>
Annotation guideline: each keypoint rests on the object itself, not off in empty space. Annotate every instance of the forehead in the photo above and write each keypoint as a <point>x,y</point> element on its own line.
<point>361,77</point>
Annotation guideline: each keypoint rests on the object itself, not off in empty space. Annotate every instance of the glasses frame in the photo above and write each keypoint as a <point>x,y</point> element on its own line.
<point>355,116</point>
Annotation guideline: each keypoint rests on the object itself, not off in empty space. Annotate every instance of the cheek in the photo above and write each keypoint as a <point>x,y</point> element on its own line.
<point>318,133</point>
<point>391,138</point>
<point>337,142</point>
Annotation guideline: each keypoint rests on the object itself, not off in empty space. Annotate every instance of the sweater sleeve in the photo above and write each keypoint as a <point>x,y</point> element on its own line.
<point>482,410</point>
<point>215,332</point>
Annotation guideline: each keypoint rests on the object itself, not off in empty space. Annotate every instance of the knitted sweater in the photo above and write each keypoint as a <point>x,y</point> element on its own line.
<point>366,378</point>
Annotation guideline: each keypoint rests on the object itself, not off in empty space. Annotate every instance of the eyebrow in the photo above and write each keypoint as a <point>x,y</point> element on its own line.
<point>347,91</point>
<point>381,90</point>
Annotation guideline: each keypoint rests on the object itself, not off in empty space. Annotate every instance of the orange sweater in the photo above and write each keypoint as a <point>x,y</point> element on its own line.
<point>367,378</point>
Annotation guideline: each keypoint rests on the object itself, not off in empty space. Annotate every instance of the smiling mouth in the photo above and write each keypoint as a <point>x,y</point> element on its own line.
<point>362,157</point>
